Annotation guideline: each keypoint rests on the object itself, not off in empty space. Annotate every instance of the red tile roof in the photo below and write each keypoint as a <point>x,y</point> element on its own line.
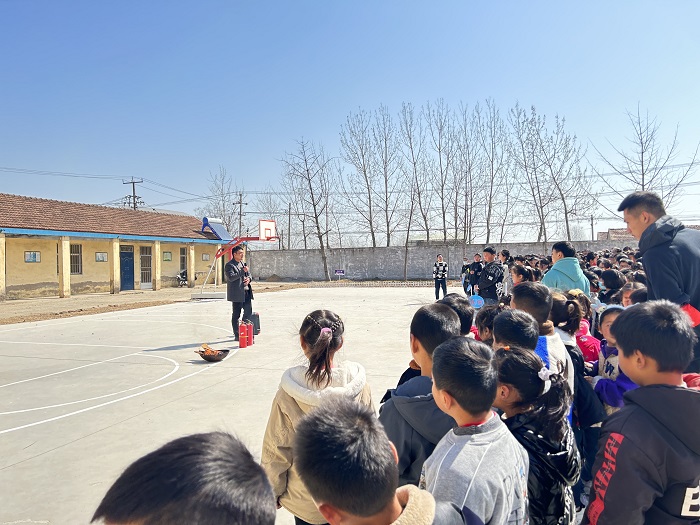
<point>43,214</point>
<point>621,234</point>
<point>615,234</point>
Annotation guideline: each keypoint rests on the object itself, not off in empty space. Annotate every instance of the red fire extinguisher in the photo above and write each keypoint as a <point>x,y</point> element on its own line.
<point>242,335</point>
<point>251,337</point>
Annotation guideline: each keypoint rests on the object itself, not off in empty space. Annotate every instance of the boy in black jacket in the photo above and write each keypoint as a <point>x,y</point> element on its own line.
<point>491,278</point>
<point>412,420</point>
<point>648,466</point>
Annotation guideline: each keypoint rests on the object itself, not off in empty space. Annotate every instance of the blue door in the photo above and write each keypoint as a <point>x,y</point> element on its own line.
<point>126,267</point>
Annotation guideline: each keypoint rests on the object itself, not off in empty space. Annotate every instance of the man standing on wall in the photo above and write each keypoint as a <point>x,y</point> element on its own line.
<point>670,256</point>
<point>440,276</point>
<point>491,276</point>
<point>238,289</point>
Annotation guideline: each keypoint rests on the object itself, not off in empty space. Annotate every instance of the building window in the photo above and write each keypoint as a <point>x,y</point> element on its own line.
<point>183,259</point>
<point>32,257</point>
<point>76,259</point>
<point>146,264</point>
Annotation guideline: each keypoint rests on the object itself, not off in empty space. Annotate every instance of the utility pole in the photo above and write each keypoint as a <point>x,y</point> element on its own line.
<point>133,190</point>
<point>289,226</point>
<point>240,213</point>
<point>592,233</point>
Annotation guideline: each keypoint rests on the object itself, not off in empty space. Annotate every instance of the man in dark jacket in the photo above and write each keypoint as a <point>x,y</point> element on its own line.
<point>475,269</point>
<point>491,276</point>
<point>238,289</point>
<point>670,256</point>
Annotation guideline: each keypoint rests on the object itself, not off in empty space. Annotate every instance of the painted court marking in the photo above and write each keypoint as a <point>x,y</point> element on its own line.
<point>113,401</point>
<point>117,400</point>
<point>227,330</point>
<point>175,369</point>
<point>70,369</point>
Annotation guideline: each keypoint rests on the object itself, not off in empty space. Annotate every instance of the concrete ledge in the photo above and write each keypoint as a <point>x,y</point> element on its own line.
<point>377,284</point>
<point>209,295</point>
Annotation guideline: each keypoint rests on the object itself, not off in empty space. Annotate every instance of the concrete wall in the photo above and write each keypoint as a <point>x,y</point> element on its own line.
<point>170,269</point>
<point>95,276</point>
<point>202,267</point>
<point>35,279</point>
<point>384,263</point>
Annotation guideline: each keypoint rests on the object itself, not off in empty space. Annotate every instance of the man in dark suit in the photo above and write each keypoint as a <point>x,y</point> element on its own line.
<point>238,290</point>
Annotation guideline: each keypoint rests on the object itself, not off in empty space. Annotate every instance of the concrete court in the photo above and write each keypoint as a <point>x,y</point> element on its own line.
<point>82,398</point>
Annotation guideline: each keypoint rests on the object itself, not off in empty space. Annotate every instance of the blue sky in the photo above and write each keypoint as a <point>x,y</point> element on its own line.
<point>170,90</point>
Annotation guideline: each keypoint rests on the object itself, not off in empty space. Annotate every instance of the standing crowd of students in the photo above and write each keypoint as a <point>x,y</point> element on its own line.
<point>547,401</point>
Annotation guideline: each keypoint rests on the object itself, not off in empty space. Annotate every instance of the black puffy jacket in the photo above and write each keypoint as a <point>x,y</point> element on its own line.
<point>588,410</point>
<point>554,468</point>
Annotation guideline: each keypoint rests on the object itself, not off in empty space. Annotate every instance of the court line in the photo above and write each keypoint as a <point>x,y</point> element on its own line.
<point>69,370</point>
<point>177,367</point>
<point>78,344</point>
<point>27,326</point>
<point>171,322</point>
<point>116,400</point>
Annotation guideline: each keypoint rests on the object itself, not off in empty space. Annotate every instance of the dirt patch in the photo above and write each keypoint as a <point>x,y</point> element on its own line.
<point>42,309</point>
<point>29,317</point>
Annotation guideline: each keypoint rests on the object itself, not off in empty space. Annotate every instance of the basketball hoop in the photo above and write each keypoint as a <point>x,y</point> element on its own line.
<point>267,230</point>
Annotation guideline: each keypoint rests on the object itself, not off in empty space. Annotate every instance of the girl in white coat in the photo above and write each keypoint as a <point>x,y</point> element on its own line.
<point>303,388</point>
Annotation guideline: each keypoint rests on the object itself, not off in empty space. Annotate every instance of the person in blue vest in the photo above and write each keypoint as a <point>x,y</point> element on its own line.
<point>566,273</point>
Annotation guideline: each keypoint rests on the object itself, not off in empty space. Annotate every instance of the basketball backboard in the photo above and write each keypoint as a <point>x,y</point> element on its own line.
<point>268,230</point>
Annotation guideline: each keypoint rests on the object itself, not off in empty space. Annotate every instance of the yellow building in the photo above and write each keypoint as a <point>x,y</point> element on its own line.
<point>50,248</point>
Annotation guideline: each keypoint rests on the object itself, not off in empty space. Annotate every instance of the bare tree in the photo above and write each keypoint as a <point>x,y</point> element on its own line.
<point>359,186</point>
<point>647,165</point>
<point>298,229</point>
<point>411,182</point>
<point>306,174</point>
<point>388,167</point>
<point>468,162</point>
<point>562,156</point>
<point>424,193</point>
<point>527,132</point>
<point>412,136</point>
<point>439,121</point>
<point>223,201</point>
<point>494,145</point>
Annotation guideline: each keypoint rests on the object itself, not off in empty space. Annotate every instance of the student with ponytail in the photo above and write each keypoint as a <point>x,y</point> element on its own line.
<point>520,274</point>
<point>303,388</point>
<point>588,413</point>
<point>535,402</point>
